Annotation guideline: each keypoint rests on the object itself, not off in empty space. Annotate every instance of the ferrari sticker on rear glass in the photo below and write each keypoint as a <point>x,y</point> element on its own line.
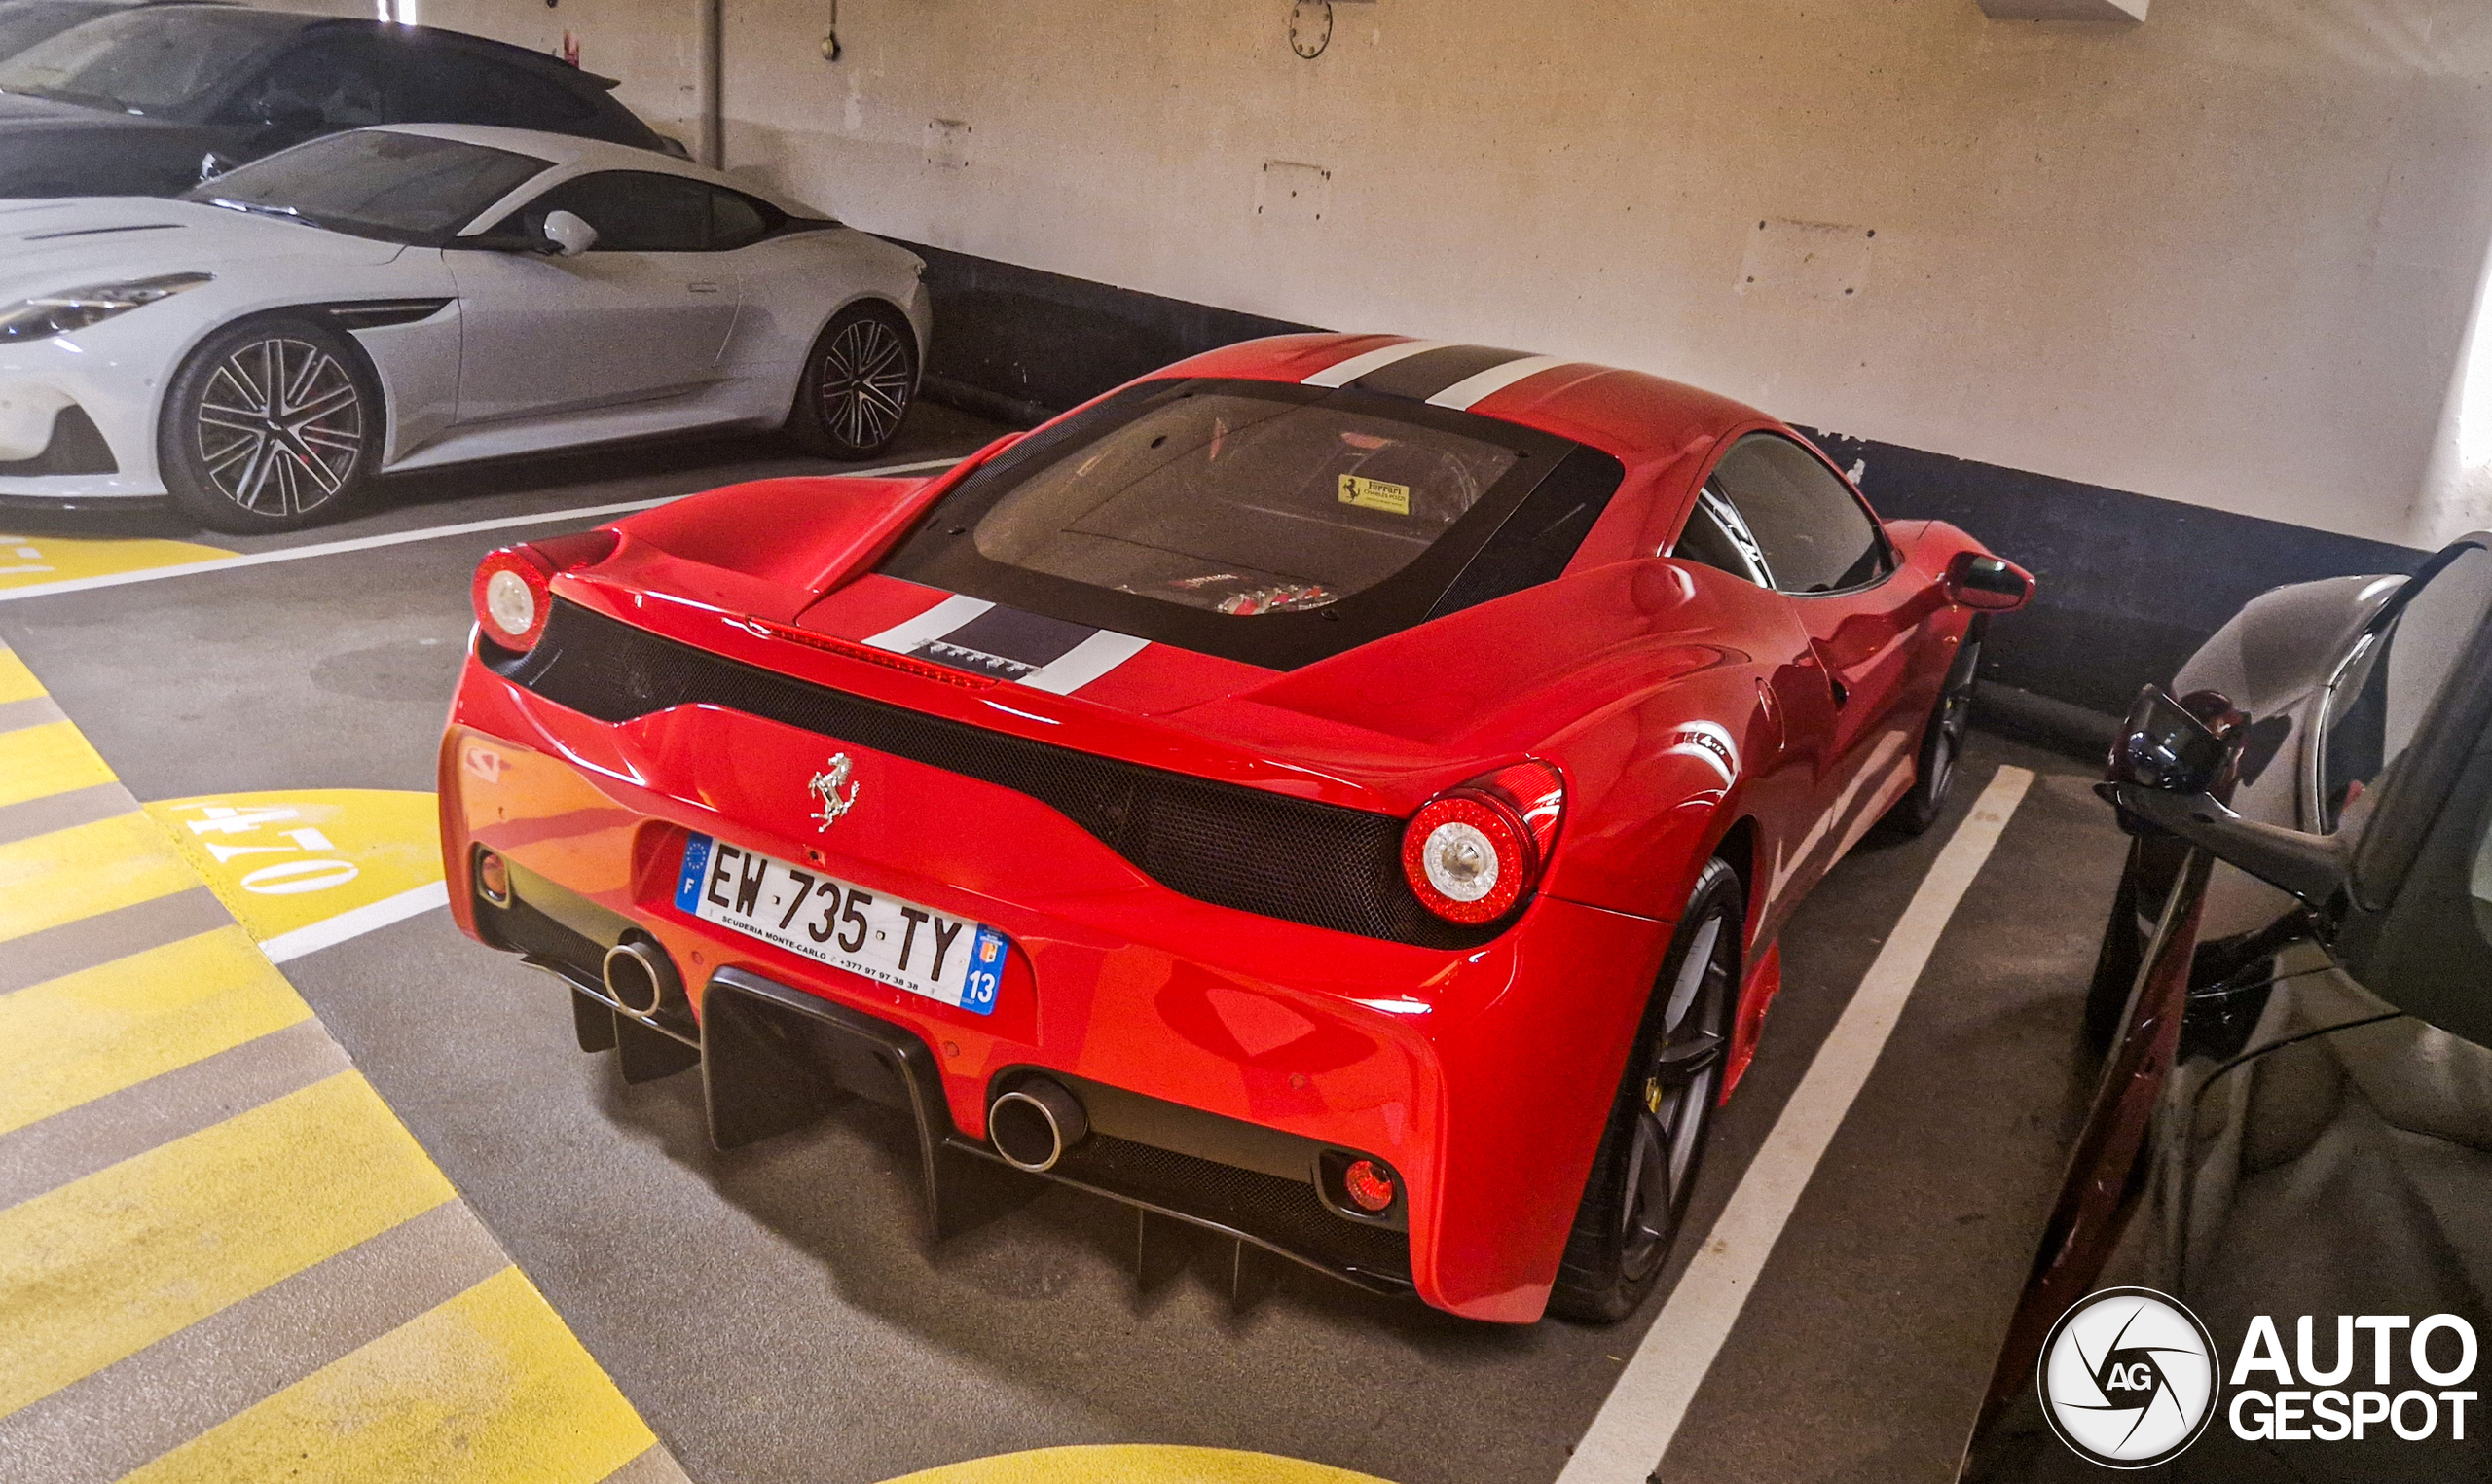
<point>1376,494</point>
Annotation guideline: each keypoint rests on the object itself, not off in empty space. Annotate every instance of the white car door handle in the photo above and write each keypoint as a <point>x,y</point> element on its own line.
<point>702,288</point>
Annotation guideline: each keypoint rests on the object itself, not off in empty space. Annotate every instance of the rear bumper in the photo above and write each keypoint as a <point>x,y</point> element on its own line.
<point>1481,1076</point>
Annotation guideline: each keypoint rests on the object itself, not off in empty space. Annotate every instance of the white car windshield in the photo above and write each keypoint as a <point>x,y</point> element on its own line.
<point>406,188</point>
<point>145,60</point>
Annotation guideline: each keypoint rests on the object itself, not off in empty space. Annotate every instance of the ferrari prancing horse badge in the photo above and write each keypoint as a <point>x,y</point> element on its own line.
<point>826,785</point>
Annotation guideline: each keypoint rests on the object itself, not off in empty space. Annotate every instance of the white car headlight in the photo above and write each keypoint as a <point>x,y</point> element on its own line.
<point>48,314</point>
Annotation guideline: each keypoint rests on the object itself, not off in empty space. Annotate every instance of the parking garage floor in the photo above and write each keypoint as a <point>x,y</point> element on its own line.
<point>352,1204</point>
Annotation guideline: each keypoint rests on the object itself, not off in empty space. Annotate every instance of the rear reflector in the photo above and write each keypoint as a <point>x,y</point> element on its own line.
<point>1369,1186</point>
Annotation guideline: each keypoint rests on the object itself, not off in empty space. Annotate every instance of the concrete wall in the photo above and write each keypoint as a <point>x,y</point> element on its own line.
<point>2229,257</point>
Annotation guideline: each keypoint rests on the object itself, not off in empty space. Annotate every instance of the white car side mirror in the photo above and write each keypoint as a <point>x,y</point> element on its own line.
<point>568,235</point>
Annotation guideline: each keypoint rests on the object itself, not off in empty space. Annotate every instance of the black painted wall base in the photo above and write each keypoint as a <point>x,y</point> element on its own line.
<point>2128,585</point>
<point>1045,341</point>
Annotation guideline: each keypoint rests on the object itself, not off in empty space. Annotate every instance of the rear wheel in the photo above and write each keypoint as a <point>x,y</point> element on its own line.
<point>1942,741</point>
<point>270,425</point>
<point>860,381</point>
<point>1646,1166</point>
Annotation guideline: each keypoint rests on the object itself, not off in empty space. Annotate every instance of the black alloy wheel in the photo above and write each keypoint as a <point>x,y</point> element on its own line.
<point>269,427</point>
<point>858,383</point>
<point>1645,1171</point>
<point>1942,741</point>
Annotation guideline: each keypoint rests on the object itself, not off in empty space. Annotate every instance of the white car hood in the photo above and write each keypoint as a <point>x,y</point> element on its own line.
<point>50,245</point>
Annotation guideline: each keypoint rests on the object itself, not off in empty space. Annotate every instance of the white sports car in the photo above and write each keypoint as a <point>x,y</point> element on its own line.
<point>421,294</point>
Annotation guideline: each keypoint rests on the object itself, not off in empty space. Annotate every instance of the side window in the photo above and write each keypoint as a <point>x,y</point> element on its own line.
<point>631,211</point>
<point>737,220</point>
<point>315,86</point>
<point>1716,537</point>
<point>1813,532</point>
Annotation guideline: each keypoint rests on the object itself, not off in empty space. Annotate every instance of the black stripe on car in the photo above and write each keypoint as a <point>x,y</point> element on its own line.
<point>1006,643</point>
<point>1247,848</point>
<point>1423,375</point>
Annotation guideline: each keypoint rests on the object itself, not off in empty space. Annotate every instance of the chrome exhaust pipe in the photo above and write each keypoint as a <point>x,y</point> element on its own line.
<point>1035,1123</point>
<point>641,978</point>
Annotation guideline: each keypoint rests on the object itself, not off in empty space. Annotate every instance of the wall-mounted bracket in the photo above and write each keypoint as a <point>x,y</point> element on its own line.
<point>2128,11</point>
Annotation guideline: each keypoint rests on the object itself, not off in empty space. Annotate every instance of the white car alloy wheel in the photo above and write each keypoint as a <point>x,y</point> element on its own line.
<point>279,427</point>
<point>858,384</point>
<point>865,383</point>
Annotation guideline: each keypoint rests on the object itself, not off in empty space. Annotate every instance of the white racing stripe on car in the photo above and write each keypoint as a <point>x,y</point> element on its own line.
<point>1635,1427</point>
<point>1466,393</point>
<point>395,538</point>
<point>1344,373</point>
<point>933,624</point>
<point>1086,661</point>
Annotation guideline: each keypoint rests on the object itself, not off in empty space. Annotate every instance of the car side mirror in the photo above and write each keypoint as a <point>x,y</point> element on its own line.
<point>2173,745</point>
<point>2173,755</point>
<point>1990,584</point>
<point>568,235</point>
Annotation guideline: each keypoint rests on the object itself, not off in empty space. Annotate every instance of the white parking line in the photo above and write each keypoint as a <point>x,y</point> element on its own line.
<point>357,922</point>
<point>394,538</point>
<point>1633,1430</point>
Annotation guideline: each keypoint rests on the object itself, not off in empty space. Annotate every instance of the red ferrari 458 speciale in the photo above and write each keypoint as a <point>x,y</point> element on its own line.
<point>1341,790</point>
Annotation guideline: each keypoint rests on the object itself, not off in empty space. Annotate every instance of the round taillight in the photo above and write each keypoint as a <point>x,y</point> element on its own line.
<point>1369,1185</point>
<point>514,587</point>
<point>513,592</point>
<point>1465,857</point>
<point>1471,853</point>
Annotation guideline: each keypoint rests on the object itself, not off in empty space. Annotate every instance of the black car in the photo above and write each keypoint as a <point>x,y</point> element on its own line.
<point>146,101</point>
<point>2280,1209</point>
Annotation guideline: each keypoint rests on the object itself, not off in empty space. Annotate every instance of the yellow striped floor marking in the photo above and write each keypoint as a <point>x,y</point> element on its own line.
<point>106,1265</point>
<point>487,1386</point>
<point>1137,1464</point>
<point>114,1025</point>
<point>490,1386</point>
<point>16,683</point>
<point>77,873</point>
<point>39,761</point>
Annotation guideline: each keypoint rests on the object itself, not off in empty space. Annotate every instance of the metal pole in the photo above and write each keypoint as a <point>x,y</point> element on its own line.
<point>711,84</point>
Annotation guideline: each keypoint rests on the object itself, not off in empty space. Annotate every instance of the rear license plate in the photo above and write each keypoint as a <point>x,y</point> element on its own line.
<point>888,940</point>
